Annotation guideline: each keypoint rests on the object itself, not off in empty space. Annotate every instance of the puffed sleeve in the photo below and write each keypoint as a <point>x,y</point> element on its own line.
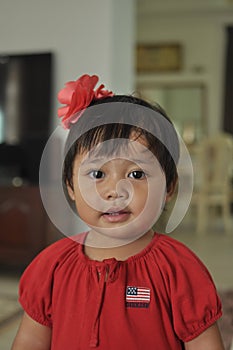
<point>195,303</point>
<point>36,283</point>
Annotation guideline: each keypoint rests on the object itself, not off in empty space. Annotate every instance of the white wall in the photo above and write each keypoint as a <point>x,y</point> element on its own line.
<point>202,36</point>
<point>81,34</point>
<point>89,36</point>
<point>86,36</point>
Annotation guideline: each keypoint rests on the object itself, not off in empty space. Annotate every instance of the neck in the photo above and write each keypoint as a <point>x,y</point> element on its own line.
<point>119,252</point>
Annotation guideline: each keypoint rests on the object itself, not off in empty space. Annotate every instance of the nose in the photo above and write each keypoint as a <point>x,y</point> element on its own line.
<point>112,194</point>
<point>116,188</point>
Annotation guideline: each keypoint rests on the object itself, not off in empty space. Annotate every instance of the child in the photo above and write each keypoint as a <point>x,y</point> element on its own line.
<point>120,285</point>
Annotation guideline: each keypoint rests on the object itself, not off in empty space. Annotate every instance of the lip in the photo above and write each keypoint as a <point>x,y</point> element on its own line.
<point>116,215</point>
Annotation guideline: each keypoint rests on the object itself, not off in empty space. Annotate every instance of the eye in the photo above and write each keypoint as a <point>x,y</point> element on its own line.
<point>96,174</point>
<point>137,174</point>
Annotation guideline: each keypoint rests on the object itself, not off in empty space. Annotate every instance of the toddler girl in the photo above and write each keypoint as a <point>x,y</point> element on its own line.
<point>120,285</point>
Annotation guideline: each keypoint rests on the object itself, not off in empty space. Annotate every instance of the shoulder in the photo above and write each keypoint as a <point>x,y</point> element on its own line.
<point>173,248</point>
<point>58,253</point>
<point>36,285</point>
<point>194,300</point>
<point>168,242</point>
<point>58,249</point>
<point>177,259</point>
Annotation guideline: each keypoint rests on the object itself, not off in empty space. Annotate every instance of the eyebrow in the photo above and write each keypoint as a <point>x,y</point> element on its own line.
<point>142,161</point>
<point>105,160</point>
<point>92,160</point>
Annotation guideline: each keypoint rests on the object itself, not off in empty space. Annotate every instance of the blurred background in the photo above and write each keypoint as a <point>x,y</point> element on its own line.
<point>177,53</point>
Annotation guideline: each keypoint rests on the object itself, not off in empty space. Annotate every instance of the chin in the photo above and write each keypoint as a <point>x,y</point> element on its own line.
<point>110,237</point>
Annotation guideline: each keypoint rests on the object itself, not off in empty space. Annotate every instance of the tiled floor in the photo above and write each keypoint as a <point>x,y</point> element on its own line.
<point>215,248</point>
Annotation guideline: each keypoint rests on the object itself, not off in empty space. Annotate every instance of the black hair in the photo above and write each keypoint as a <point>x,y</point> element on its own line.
<point>145,119</point>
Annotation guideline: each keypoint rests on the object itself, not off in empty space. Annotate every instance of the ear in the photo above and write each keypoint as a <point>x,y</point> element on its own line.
<point>70,191</point>
<point>171,191</point>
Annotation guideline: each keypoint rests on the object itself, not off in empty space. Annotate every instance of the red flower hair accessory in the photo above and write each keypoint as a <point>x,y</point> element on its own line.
<point>77,96</point>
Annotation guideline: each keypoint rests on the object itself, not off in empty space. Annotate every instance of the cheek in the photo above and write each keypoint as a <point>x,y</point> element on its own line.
<point>157,194</point>
<point>140,194</point>
<point>78,198</point>
<point>84,211</point>
<point>152,196</point>
<point>85,207</point>
<point>88,191</point>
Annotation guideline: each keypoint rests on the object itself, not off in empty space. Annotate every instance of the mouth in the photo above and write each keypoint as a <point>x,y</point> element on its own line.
<point>114,215</point>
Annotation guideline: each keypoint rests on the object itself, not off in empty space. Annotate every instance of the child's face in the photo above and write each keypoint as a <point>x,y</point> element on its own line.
<point>121,195</point>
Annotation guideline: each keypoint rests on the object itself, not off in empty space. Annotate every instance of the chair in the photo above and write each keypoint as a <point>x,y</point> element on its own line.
<point>213,185</point>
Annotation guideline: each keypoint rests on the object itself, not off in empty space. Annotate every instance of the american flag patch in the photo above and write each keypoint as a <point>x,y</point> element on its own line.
<point>137,297</point>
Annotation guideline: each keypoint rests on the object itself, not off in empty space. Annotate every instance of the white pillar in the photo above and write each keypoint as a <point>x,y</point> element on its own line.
<point>123,46</point>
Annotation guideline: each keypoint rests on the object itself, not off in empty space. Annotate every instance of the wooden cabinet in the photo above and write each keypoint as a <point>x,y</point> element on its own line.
<point>24,226</point>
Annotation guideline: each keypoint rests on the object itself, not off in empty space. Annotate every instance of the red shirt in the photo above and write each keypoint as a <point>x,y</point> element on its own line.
<point>156,299</point>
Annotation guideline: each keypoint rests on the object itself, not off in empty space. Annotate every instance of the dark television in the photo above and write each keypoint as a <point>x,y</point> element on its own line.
<point>25,114</point>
